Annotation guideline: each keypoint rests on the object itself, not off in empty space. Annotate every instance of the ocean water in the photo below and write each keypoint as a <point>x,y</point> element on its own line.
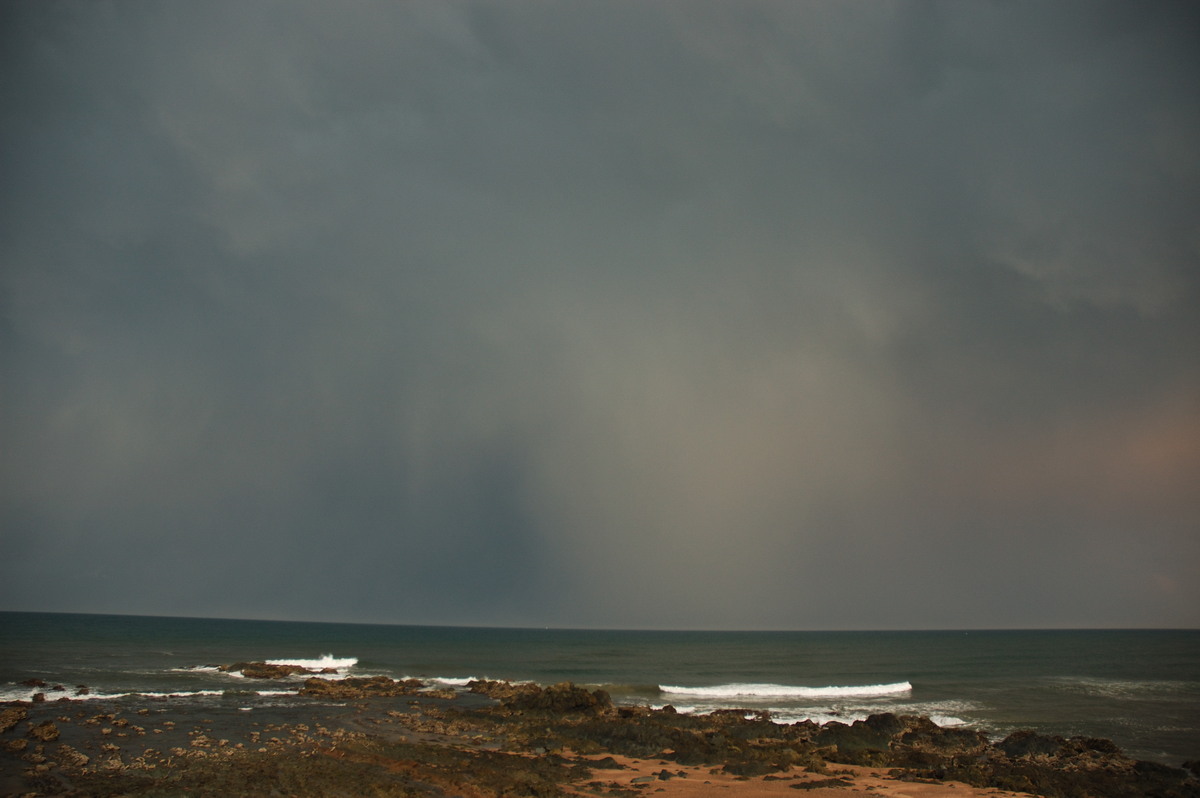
<point>1139,688</point>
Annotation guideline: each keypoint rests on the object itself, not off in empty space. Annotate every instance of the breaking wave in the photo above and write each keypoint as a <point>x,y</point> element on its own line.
<point>25,695</point>
<point>777,691</point>
<point>448,681</point>
<point>326,661</point>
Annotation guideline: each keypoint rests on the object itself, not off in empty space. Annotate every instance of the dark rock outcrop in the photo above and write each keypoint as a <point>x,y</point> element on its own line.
<point>562,698</point>
<point>1024,761</point>
<point>501,691</point>
<point>264,670</point>
<point>360,687</point>
<point>1027,744</point>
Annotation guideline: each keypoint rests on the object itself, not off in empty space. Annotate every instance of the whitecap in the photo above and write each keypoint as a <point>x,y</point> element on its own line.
<point>775,691</point>
<point>325,661</point>
<point>450,681</point>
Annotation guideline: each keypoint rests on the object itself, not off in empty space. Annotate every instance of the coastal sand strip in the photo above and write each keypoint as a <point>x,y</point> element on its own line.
<point>700,782</point>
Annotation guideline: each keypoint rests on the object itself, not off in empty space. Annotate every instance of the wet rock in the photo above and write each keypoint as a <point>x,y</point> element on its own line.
<point>264,670</point>
<point>38,698</point>
<point>1096,744</point>
<point>566,698</point>
<point>11,716</point>
<point>45,731</point>
<point>501,691</point>
<point>855,743</point>
<point>360,687</point>
<point>72,757</point>
<point>1029,744</point>
<point>928,737</point>
<point>33,683</point>
<point>561,698</point>
<point>887,723</point>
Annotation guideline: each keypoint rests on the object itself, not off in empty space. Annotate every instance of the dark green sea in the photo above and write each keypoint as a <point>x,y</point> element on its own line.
<point>1139,688</point>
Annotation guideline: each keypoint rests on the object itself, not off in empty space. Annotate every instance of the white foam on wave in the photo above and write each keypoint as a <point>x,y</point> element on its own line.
<point>182,694</point>
<point>22,694</point>
<point>1125,689</point>
<point>54,697</point>
<point>25,694</point>
<point>449,681</point>
<point>947,720</point>
<point>821,718</point>
<point>203,693</point>
<point>326,661</point>
<point>818,717</point>
<point>776,691</point>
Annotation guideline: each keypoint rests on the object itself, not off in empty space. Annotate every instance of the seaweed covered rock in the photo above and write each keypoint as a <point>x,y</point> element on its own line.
<point>740,744</point>
<point>360,687</point>
<point>503,692</point>
<point>562,698</point>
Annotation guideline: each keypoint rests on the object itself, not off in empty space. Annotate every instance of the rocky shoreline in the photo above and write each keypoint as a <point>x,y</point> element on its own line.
<point>378,736</point>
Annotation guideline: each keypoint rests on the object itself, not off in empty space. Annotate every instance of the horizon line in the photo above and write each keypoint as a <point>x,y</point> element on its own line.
<point>647,629</point>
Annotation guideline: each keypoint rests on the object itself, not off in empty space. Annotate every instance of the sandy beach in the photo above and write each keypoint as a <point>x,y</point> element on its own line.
<point>663,778</point>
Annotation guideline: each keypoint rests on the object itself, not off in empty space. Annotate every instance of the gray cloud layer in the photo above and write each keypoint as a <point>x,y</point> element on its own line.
<point>799,315</point>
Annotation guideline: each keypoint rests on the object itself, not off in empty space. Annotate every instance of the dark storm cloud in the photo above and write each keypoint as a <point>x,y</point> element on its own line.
<point>744,314</point>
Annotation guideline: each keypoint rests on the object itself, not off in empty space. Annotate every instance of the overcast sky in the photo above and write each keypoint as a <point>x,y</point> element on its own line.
<point>800,315</point>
